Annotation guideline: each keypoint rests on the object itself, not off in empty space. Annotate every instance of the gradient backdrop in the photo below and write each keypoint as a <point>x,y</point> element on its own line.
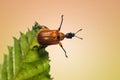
<point>97,57</point>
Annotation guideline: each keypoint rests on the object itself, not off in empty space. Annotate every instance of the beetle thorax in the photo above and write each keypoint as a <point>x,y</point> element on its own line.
<point>61,36</point>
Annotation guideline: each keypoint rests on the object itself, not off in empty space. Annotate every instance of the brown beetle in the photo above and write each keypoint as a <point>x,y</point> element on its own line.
<point>48,37</point>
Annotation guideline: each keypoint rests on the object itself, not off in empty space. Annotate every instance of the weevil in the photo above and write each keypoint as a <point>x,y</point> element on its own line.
<point>48,37</point>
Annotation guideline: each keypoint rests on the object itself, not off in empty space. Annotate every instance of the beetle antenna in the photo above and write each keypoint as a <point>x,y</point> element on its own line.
<point>78,31</point>
<point>61,22</point>
<point>79,37</point>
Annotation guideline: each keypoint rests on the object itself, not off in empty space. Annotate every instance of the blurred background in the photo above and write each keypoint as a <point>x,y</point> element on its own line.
<point>96,57</point>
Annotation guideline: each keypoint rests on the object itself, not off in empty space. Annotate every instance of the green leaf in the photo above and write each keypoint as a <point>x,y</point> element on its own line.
<point>30,35</point>
<point>30,69</point>
<point>41,76</point>
<point>10,63</point>
<point>4,68</point>
<point>0,71</point>
<point>17,55</point>
<point>28,61</point>
<point>32,56</point>
<point>24,44</point>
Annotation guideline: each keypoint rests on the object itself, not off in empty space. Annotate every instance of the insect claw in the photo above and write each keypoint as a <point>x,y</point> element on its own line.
<point>66,56</point>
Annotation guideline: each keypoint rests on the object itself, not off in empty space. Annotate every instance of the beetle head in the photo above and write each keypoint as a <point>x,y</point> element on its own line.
<point>71,35</point>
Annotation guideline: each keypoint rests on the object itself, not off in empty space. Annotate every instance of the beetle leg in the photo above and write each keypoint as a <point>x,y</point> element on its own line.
<point>63,49</point>
<point>35,47</point>
<point>61,23</point>
<point>45,27</point>
<point>43,46</point>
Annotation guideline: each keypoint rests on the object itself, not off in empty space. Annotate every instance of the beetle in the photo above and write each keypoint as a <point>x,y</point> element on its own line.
<point>48,37</point>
